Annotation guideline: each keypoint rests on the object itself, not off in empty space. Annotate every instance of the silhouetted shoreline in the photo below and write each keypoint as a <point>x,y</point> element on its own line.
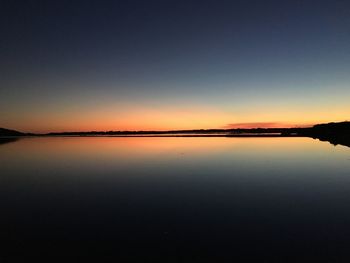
<point>335,133</point>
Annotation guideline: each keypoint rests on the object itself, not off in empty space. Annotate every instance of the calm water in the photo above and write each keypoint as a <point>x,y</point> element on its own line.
<point>176,199</point>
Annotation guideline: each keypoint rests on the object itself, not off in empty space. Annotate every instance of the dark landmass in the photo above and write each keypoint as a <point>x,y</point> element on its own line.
<point>335,133</point>
<point>6,132</point>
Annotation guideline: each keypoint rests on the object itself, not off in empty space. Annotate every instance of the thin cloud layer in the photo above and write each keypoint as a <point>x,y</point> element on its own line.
<point>251,125</point>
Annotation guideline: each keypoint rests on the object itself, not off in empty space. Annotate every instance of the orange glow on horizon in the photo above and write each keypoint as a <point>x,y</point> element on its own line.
<point>168,119</point>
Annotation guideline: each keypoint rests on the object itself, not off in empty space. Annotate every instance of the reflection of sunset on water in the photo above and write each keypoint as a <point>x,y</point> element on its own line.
<point>90,150</point>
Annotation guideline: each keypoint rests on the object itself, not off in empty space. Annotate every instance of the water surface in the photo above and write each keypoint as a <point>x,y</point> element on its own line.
<point>176,199</point>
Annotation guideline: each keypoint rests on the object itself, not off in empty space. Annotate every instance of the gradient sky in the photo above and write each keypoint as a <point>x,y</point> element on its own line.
<point>143,65</point>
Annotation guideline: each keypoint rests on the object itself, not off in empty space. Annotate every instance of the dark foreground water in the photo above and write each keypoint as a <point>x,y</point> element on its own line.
<point>175,200</point>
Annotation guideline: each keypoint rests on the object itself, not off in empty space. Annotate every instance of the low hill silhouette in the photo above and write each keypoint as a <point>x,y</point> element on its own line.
<point>6,132</point>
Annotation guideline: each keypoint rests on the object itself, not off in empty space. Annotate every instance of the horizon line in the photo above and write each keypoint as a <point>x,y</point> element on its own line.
<point>171,130</point>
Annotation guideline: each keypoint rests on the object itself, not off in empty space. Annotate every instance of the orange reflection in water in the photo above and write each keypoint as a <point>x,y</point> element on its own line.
<point>116,156</point>
<point>131,146</point>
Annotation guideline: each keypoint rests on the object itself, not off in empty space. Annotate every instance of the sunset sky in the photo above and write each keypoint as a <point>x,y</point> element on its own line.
<point>161,65</point>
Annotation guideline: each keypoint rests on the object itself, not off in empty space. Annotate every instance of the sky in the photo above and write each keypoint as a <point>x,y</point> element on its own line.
<point>164,65</point>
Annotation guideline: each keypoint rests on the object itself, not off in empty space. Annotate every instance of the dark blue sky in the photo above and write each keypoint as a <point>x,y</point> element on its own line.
<point>219,61</point>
